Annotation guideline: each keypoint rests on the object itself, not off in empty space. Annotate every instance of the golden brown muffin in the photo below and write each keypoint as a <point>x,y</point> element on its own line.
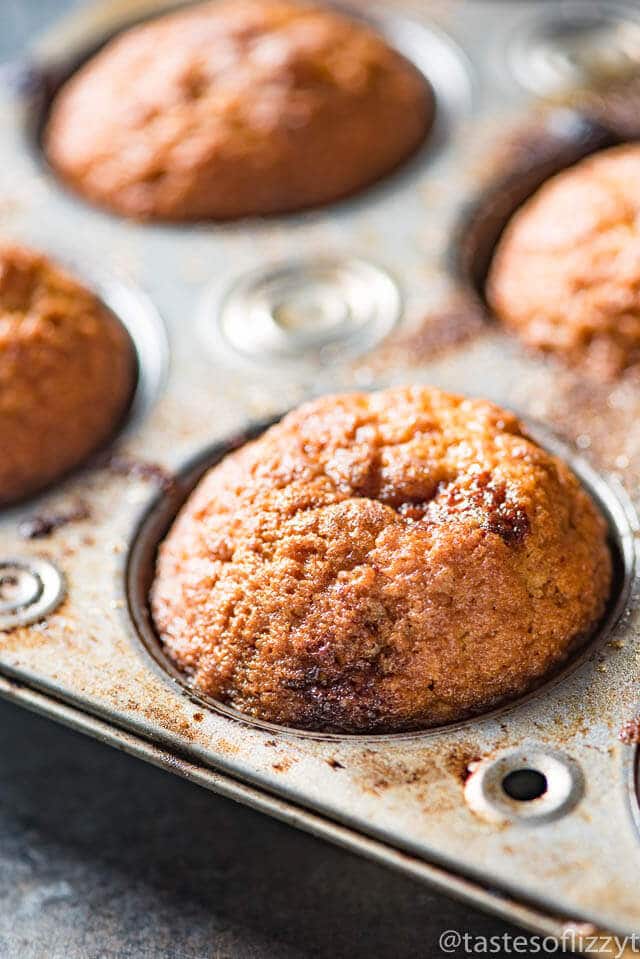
<point>381,562</point>
<point>566,274</point>
<point>67,372</point>
<point>235,108</point>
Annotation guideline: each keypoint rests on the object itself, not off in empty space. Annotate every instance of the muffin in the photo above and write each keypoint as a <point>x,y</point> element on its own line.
<point>566,273</point>
<point>381,562</point>
<point>67,372</point>
<point>233,108</point>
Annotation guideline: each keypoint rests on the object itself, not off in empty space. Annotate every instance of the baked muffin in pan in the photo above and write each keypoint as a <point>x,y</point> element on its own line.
<point>234,108</point>
<point>381,562</point>
<point>67,372</point>
<point>566,273</point>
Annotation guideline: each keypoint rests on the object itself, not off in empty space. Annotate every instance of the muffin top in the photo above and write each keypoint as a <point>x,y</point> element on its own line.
<point>381,562</point>
<point>566,274</point>
<point>236,107</point>
<point>67,372</point>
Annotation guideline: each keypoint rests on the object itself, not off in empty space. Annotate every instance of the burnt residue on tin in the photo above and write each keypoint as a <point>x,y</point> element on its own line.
<point>459,321</point>
<point>43,524</point>
<point>629,733</point>
<point>459,761</point>
<point>435,778</point>
<point>134,468</point>
<point>283,765</point>
<point>334,763</point>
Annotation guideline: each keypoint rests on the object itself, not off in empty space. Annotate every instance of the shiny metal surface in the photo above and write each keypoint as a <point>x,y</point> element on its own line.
<point>30,589</point>
<point>400,799</point>
<point>306,311</point>
<point>577,45</point>
<point>561,787</point>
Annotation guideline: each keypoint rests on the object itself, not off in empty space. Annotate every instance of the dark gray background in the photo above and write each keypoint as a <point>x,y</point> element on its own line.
<point>102,856</point>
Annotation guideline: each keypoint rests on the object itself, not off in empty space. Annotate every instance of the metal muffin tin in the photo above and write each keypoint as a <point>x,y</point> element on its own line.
<point>321,290</point>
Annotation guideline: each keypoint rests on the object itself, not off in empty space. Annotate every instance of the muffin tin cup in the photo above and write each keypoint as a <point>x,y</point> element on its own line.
<point>433,804</point>
<point>156,521</point>
<point>139,316</point>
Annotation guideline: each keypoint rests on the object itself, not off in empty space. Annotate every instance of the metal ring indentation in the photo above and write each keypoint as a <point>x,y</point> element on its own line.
<point>578,45</point>
<point>488,795</point>
<point>30,589</point>
<point>315,309</point>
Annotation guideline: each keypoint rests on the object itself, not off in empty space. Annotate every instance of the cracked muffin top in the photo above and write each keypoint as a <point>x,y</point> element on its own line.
<point>566,274</point>
<point>67,372</point>
<point>381,562</point>
<point>236,108</point>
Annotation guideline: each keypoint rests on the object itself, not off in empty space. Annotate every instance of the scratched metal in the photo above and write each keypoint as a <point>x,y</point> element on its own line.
<point>400,798</point>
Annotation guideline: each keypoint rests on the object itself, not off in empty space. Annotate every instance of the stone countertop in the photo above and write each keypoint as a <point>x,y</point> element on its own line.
<point>104,857</point>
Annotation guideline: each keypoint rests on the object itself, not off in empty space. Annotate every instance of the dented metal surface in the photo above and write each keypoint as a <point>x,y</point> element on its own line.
<point>401,798</point>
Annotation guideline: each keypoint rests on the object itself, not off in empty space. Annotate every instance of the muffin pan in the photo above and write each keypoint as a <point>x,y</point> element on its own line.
<point>555,848</point>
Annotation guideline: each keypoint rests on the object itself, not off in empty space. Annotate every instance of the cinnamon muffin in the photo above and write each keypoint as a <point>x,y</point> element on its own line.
<point>381,562</point>
<point>67,372</point>
<point>237,107</point>
<point>566,274</point>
